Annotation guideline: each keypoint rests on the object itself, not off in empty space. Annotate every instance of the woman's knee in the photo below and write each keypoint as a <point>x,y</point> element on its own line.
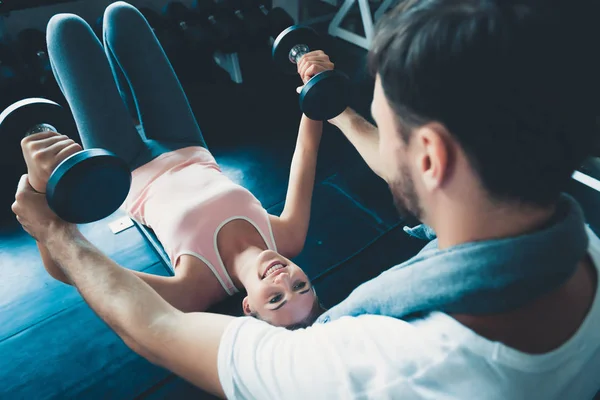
<point>120,19</point>
<point>63,28</point>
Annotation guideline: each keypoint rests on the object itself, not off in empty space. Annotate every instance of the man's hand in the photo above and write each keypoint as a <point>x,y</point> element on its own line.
<point>311,64</point>
<point>33,212</point>
<point>43,152</point>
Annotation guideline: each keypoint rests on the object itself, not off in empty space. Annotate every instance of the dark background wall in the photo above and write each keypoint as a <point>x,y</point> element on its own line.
<point>90,10</point>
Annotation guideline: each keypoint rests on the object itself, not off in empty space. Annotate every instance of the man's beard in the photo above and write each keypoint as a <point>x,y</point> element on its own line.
<point>405,196</point>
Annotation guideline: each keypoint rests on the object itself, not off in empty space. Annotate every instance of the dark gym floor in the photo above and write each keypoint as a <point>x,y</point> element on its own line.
<point>54,346</point>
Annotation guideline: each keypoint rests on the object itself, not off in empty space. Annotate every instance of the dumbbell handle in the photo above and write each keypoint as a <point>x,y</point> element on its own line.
<point>297,52</point>
<point>39,128</point>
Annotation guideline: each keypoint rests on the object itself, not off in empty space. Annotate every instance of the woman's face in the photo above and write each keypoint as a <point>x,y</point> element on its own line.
<point>281,294</point>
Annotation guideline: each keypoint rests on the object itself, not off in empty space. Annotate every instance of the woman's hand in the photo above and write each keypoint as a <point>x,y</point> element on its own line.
<point>311,64</point>
<point>43,152</point>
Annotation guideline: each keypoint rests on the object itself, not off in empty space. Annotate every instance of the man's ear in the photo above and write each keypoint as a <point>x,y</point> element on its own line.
<point>246,306</point>
<point>434,154</point>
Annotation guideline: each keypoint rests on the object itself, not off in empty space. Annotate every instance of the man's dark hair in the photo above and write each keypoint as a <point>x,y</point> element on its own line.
<point>514,83</point>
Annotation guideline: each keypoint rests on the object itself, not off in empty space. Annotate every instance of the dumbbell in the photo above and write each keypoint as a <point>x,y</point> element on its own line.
<point>325,95</point>
<point>228,29</point>
<point>197,33</point>
<point>254,21</point>
<point>87,186</point>
<point>266,21</point>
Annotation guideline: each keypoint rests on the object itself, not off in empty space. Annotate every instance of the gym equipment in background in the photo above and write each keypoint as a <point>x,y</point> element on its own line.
<point>259,20</point>
<point>10,72</point>
<point>190,28</point>
<point>325,95</point>
<point>15,5</point>
<point>188,47</point>
<point>368,20</point>
<point>278,18</point>
<point>34,52</point>
<point>254,22</point>
<point>160,27</point>
<point>85,187</point>
<point>228,29</point>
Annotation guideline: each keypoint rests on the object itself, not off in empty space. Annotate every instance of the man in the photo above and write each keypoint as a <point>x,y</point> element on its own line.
<point>478,131</point>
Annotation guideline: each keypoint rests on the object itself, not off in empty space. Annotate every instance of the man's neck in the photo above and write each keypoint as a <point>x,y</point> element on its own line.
<point>545,323</point>
<point>486,221</point>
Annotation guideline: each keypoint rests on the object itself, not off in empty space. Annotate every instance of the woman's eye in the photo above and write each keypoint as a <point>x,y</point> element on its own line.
<point>299,285</point>
<point>275,299</point>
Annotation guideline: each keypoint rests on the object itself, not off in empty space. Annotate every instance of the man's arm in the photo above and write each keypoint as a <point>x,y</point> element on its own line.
<point>51,267</point>
<point>181,291</point>
<point>363,135</point>
<point>244,357</point>
<point>291,227</point>
<point>186,344</point>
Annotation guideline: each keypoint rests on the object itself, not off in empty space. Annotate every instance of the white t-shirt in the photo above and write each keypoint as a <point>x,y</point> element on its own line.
<point>378,357</point>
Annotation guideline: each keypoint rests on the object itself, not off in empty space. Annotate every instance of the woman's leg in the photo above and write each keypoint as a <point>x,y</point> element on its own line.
<point>139,63</point>
<point>85,78</point>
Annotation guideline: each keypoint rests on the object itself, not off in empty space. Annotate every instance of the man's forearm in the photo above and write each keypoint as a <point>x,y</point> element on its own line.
<point>126,303</point>
<point>363,135</point>
<point>52,268</point>
<point>185,343</point>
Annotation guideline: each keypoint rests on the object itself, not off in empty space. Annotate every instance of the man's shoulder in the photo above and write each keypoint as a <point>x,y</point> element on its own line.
<point>379,354</point>
<point>421,335</point>
<point>417,340</point>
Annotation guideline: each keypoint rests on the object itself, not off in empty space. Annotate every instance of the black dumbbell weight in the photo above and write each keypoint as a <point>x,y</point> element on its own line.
<point>325,95</point>
<point>254,21</point>
<point>228,29</point>
<point>85,187</point>
<point>197,33</point>
<point>277,19</point>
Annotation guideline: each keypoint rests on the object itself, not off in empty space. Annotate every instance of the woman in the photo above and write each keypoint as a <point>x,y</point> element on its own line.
<point>219,238</point>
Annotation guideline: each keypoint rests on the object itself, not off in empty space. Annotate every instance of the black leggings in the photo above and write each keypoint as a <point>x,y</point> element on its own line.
<point>133,59</point>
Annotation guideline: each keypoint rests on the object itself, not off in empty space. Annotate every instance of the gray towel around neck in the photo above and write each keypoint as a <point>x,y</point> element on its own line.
<point>475,278</point>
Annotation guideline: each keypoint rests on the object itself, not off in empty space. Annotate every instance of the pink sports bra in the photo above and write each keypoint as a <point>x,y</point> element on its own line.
<point>186,199</point>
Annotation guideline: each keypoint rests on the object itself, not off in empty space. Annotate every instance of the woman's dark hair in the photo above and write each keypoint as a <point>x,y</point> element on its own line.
<point>514,82</point>
<point>310,319</point>
<point>315,312</point>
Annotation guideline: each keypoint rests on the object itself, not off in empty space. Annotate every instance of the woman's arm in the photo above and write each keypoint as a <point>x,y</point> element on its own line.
<point>363,135</point>
<point>291,227</point>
